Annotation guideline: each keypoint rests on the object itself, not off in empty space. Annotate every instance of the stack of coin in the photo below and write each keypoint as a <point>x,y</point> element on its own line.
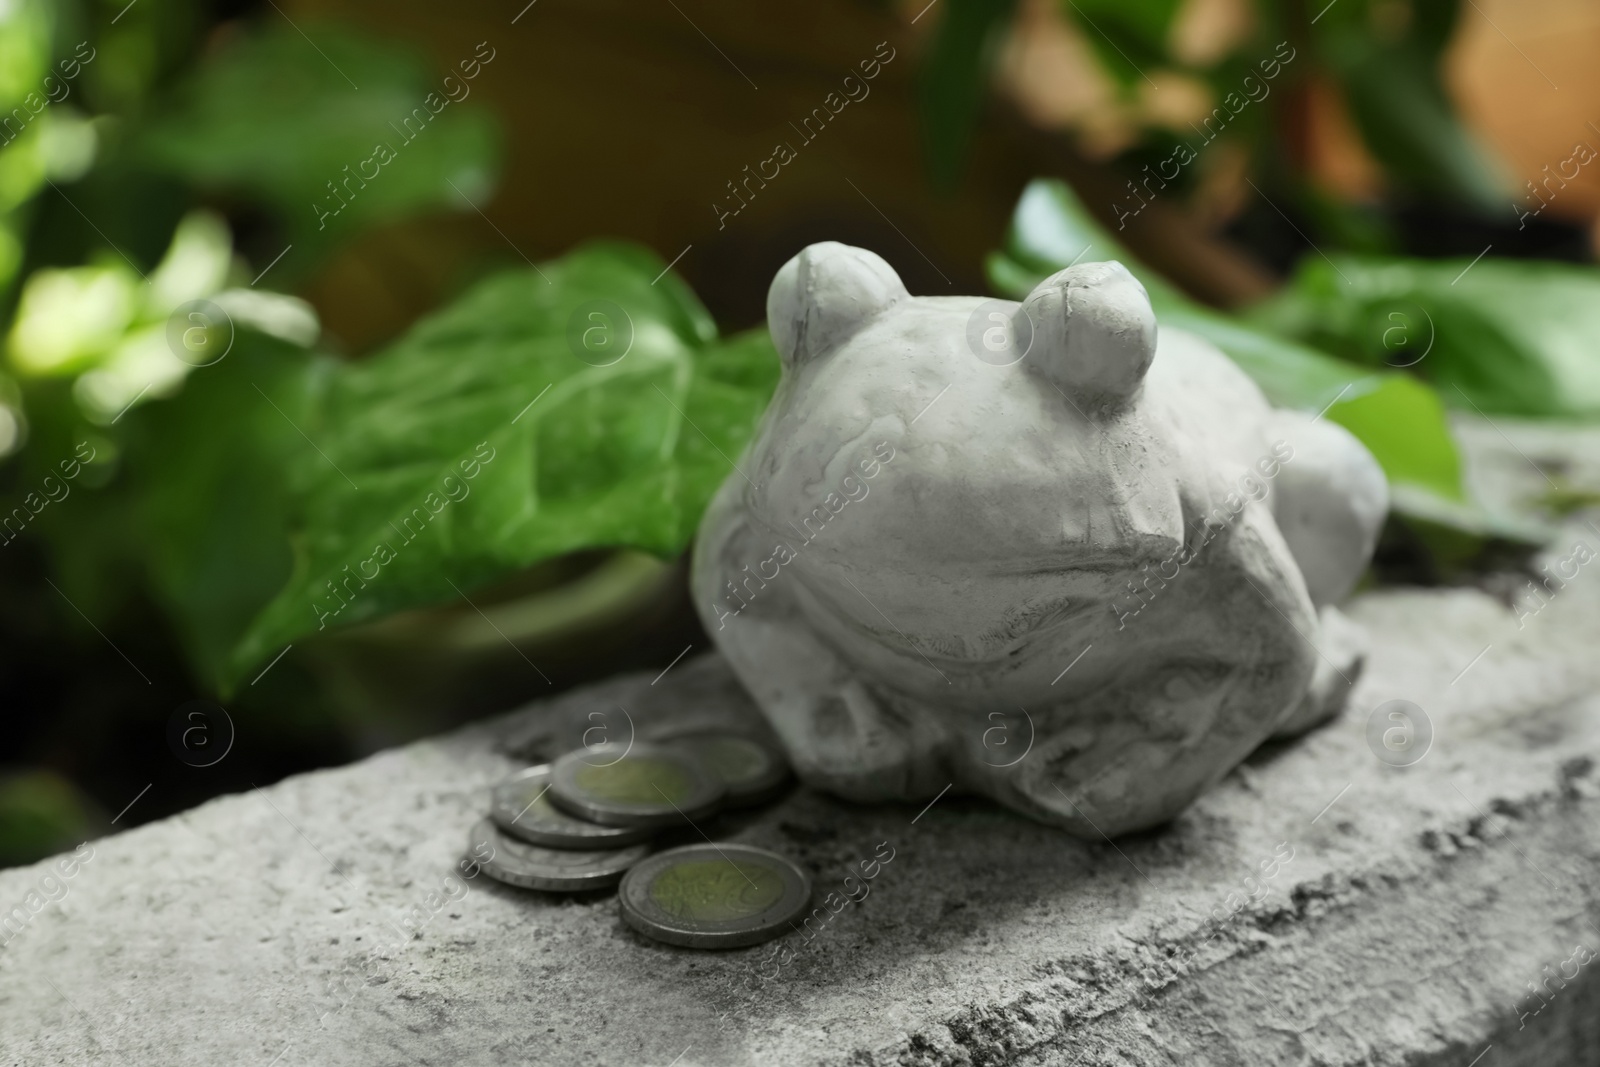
<point>599,813</point>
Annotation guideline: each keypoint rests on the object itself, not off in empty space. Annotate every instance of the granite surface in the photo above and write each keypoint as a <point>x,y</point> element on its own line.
<point>1320,906</point>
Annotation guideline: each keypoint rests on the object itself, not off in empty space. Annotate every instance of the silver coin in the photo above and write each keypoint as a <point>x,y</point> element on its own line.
<point>561,870</point>
<point>635,785</point>
<point>714,896</point>
<point>520,806</point>
<point>753,770</point>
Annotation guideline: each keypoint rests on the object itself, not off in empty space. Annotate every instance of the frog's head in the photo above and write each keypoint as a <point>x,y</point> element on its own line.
<point>1087,330</point>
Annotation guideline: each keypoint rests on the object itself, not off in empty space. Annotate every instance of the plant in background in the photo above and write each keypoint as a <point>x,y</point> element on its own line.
<point>251,491</point>
<point>262,119</point>
<point>1218,106</point>
<point>149,214</point>
<point>1159,70</point>
<point>228,469</point>
<point>121,338</point>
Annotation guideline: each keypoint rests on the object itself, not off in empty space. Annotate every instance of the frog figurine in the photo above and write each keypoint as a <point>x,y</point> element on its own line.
<point>1041,552</point>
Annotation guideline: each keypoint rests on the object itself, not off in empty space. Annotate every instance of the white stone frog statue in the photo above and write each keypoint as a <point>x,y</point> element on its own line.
<point>1041,552</point>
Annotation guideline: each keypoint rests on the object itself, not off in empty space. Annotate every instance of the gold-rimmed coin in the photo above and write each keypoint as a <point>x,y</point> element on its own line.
<point>559,870</point>
<point>753,771</point>
<point>647,785</point>
<point>714,895</point>
<point>520,806</point>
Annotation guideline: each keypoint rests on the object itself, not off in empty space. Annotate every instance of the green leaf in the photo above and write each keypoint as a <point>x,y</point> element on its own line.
<point>955,78</point>
<point>1403,424</point>
<point>1400,420</point>
<point>504,431</point>
<point>333,131</point>
<point>1498,336</point>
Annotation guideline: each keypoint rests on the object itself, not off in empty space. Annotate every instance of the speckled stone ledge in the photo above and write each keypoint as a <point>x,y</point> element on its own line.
<point>1320,907</point>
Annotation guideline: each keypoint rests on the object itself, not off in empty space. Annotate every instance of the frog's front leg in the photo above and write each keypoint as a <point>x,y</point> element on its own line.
<point>842,734</point>
<point>1341,646</point>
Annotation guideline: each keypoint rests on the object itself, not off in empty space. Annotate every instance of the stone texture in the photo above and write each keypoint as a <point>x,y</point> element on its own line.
<point>1419,905</point>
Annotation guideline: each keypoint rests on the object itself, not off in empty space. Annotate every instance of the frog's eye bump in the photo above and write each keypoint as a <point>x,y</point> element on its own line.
<point>1094,333</point>
<point>826,293</point>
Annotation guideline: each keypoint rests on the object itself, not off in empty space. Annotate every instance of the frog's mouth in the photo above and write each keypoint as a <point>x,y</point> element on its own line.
<point>1021,637</point>
<point>1009,608</point>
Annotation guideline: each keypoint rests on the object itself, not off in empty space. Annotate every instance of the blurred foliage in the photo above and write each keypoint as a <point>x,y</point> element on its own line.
<point>1380,58</point>
<point>186,410</point>
<point>41,813</point>
<point>1384,56</point>
<point>1497,336</point>
<point>207,493</point>
<point>1127,38</point>
<point>119,337</point>
<point>364,136</point>
<point>954,76</point>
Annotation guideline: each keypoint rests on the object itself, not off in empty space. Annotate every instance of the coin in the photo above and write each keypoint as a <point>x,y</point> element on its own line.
<point>635,785</point>
<point>714,896</point>
<point>561,870</point>
<point>522,808</point>
<point>752,770</point>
